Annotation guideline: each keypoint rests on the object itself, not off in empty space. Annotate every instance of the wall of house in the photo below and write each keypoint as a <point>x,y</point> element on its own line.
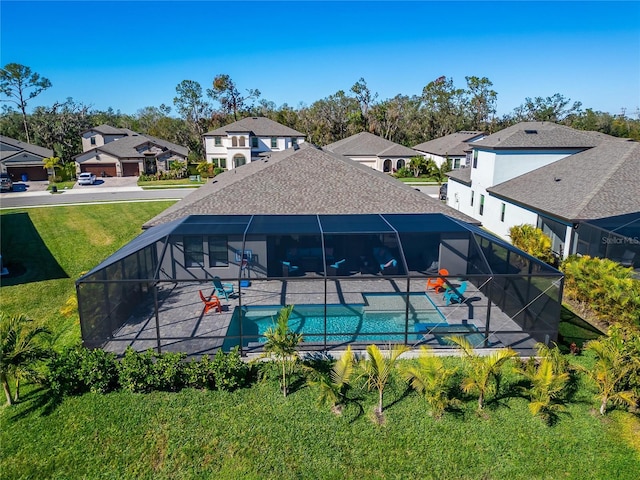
<point>98,158</point>
<point>513,215</point>
<point>100,139</point>
<point>459,197</point>
<point>511,164</point>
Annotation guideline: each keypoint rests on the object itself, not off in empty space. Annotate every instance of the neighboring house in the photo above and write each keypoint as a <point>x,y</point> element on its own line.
<point>373,151</point>
<point>306,180</point>
<point>550,176</point>
<point>20,159</point>
<point>248,140</point>
<point>455,147</point>
<point>120,152</point>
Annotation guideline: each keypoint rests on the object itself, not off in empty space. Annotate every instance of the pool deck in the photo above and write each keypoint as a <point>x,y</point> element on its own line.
<point>185,328</point>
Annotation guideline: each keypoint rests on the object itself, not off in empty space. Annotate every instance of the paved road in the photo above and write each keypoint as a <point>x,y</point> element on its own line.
<point>42,198</point>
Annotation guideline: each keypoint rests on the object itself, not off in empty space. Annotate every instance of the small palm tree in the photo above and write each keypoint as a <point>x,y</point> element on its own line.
<point>483,371</point>
<point>18,349</point>
<point>431,379</point>
<point>333,385</point>
<point>609,372</point>
<point>548,378</point>
<point>378,367</point>
<point>283,343</point>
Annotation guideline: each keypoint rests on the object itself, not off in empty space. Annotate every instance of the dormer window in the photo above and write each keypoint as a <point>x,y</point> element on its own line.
<point>294,141</point>
<point>93,140</point>
<point>274,142</point>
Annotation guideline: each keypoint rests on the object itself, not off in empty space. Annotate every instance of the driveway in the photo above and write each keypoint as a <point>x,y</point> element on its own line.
<point>110,182</point>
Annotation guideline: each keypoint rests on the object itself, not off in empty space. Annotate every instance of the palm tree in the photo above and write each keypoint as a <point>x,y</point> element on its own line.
<point>548,379</point>
<point>333,385</point>
<point>609,372</point>
<point>18,349</point>
<point>431,379</point>
<point>377,368</point>
<point>483,371</point>
<point>283,343</point>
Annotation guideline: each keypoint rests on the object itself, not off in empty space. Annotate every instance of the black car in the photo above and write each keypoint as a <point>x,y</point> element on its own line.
<point>6,184</point>
<point>443,191</point>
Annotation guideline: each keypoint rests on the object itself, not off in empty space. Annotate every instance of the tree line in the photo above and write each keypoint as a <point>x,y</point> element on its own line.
<point>440,109</point>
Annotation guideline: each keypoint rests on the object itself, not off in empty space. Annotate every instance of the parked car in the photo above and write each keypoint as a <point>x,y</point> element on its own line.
<point>86,178</point>
<point>443,191</point>
<point>6,184</point>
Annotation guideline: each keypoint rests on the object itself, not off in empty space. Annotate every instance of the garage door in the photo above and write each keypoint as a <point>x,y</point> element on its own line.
<point>32,173</point>
<point>108,169</point>
<point>130,170</point>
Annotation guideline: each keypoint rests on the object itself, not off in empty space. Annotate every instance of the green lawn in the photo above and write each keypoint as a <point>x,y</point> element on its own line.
<point>255,433</point>
<point>183,182</point>
<point>47,249</point>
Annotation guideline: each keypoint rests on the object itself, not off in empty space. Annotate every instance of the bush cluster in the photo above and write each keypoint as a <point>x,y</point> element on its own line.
<point>78,370</point>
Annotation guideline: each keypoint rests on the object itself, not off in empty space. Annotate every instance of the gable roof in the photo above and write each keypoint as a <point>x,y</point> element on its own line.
<point>365,143</point>
<point>541,135</point>
<point>259,126</point>
<point>461,175</point>
<point>10,147</point>
<point>105,129</point>
<point>453,144</point>
<point>304,181</point>
<point>125,147</point>
<point>596,183</point>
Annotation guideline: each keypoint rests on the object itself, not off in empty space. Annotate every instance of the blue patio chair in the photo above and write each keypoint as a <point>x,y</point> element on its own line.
<point>455,295</point>
<point>288,269</point>
<point>222,289</point>
<point>336,266</point>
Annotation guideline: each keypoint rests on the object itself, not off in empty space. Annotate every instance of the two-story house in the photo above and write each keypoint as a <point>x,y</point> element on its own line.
<point>454,147</point>
<point>545,174</point>
<point>248,140</point>
<point>120,152</point>
<point>373,151</point>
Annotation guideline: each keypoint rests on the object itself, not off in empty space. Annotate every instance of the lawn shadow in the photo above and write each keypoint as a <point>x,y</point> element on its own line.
<point>39,399</point>
<point>24,253</point>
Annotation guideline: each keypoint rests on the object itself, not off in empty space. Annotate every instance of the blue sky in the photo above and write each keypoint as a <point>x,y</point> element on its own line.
<point>128,55</point>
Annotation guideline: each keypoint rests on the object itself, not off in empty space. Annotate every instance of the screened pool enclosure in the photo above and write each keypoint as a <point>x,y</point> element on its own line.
<point>353,279</point>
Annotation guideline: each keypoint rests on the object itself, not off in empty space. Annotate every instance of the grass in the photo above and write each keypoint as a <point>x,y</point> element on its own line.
<point>47,249</point>
<point>62,185</point>
<point>183,182</point>
<point>256,433</point>
<point>422,180</point>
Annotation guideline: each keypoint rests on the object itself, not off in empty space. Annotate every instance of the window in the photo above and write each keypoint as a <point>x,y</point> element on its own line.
<point>502,212</point>
<point>234,141</point>
<point>386,166</point>
<point>472,194</point>
<point>239,160</point>
<point>241,142</point>
<point>254,142</point>
<point>274,142</point>
<point>456,163</point>
<point>217,141</point>
<point>193,251</point>
<point>475,159</point>
<point>218,252</point>
<point>219,162</point>
<point>294,141</point>
<point>93,140</point>
<point>400,164</point>
<point>481,204</point>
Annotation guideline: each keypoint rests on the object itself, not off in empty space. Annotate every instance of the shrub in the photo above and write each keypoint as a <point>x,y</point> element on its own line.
<point>98,371</point>
<point>169,372</point>
<point>199,374</point>
<point>403,172</point>
<point>229,370</point>
<point>63,377</point>
<point>136,371</point>
<point>533,241</point>
<point>218,171</point>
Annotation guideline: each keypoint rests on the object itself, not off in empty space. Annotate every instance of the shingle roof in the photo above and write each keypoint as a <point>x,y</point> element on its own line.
<point>20,147</point>
<point>462,175</point>
<point>125,147</point>
<point>454,144</point>
<point>597,183</point>
<point>365,143</point>
<point>259,126</point>
<point>541,135</point>
<point>109,130</point>
<point>304,181</point>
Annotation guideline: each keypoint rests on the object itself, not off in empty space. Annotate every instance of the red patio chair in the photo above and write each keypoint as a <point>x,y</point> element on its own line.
<point>438,283</point>
<point>210,302</point>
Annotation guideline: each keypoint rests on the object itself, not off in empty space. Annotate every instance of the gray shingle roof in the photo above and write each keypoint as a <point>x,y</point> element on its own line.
<point>304,181</point>
<point>19,147</point>
<point>125,147</point>
<point>105,129</point>
<point>541,135</point>
<point>462,175</point>
<point>259,126</point>
<point>597,183</point>
<point>365,143</point>
<point>454,144</point>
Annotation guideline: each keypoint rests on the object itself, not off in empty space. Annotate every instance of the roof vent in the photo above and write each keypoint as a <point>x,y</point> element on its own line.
<point>556,179</point>
<point>531,132</point>
<point>295,146</point>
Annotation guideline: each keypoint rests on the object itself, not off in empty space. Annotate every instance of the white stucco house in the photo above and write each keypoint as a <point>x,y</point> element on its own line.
<point>373,151</point>
<point>553,177</point>
<point>248,140</point>
<point>120,152</point>
<point>455,147</point>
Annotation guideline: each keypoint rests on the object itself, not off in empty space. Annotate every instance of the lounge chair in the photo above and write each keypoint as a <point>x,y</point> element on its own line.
<point>438,283</point>
<point>335,267</point>
<point>455,295</point>
<point>210,302</point>
<point>222,289</point>
<point>288,269</point>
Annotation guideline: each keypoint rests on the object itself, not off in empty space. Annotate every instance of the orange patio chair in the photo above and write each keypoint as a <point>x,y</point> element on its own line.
<point>438,283</point>
<point>210,302</point>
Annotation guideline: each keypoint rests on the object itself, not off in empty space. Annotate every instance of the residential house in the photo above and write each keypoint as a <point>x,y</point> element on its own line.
<point>23,160</point>
<point>248,140</point>
<point>373,151</point>
<point>454,147</point>
<point>550,176</point>
<point>120,152</point>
